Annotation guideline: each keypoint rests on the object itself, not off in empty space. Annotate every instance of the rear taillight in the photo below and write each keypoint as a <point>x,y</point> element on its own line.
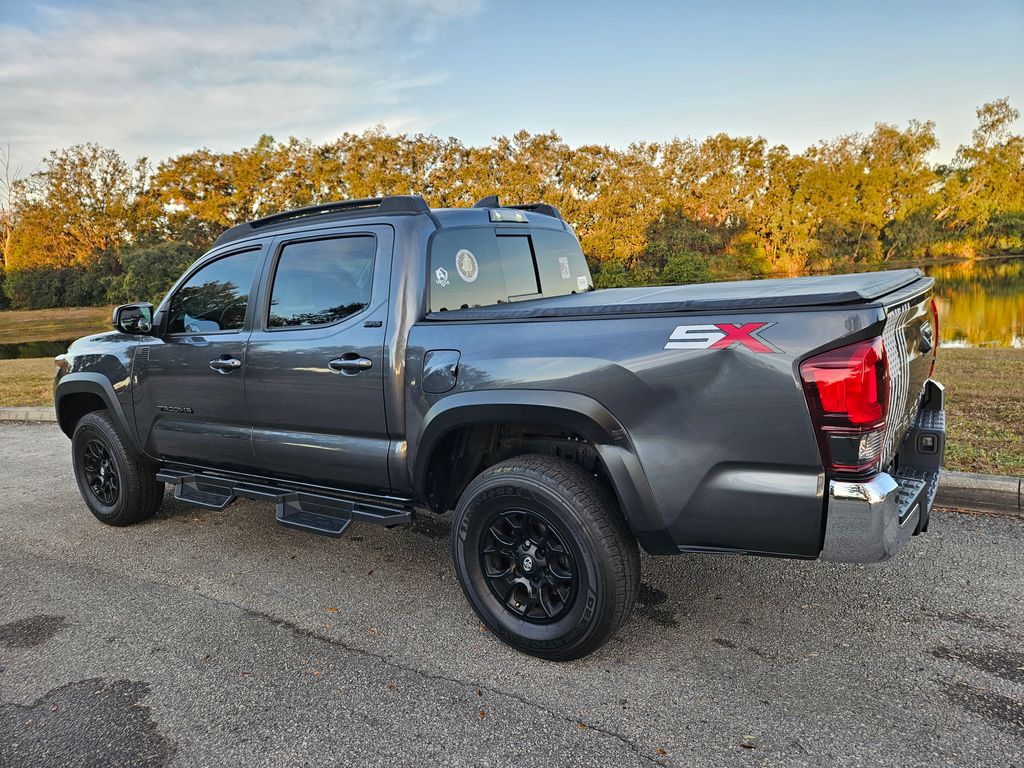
<point>848,392</point>
<point>935,337</point>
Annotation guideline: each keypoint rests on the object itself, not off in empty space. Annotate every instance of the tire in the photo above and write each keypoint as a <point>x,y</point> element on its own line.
<point>520,528</point>
<point>117,487</point>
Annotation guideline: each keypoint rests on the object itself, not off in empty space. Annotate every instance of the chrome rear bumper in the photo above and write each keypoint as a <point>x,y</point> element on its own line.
<point>871,520</point>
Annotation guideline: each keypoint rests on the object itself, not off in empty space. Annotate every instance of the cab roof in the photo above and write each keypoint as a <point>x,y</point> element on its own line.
<point>487,210</point>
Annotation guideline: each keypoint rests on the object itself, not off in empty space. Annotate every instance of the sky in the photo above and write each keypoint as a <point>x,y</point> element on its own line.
<point>161,78</point>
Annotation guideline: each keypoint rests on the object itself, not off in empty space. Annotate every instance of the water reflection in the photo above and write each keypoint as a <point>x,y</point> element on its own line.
<point>26,349</point>
<point>981,303</point>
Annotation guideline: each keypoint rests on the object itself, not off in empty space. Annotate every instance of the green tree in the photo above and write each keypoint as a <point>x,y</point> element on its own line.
<point>150,271</point>
<point>986,179</point>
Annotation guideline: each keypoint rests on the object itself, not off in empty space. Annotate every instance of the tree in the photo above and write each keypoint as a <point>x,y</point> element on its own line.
<point>150,271</point>
<point>81,204</point>
<point>89,225</point>
<point>987,175</point>
<point>10,177</point>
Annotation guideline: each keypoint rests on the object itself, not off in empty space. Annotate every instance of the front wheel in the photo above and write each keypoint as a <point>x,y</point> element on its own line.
<point>544,557</point>
<point>117,487</point>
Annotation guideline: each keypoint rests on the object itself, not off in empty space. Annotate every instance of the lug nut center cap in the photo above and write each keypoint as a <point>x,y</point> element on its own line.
<point>528,564</point>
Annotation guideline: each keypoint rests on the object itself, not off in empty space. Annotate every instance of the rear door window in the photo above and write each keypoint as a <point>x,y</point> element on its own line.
<point>318,282</point>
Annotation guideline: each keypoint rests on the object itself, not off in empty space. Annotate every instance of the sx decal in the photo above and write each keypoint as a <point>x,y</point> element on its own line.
<point>722,336</point>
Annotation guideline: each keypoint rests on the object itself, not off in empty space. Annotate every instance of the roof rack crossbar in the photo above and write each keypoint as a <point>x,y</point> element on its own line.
<point>491,201</point>
<point>393,204</point>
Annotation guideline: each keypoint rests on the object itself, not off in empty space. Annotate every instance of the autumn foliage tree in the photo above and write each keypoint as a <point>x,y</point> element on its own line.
<point>89,226</point>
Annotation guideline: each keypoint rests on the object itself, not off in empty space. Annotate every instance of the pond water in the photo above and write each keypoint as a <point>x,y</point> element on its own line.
<point>34,348</point>
<point>981,303</point>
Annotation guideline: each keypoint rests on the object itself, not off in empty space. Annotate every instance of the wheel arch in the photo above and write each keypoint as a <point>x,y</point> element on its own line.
<point>569,412</point>
<point>80,393</point>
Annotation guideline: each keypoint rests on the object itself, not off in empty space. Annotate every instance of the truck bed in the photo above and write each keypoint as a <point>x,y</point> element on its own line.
<point>705,297</point>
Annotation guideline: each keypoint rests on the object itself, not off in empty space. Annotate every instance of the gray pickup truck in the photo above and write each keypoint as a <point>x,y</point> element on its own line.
<point>369,360</point>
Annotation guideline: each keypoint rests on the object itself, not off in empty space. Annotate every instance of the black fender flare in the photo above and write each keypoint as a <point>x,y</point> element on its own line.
<point>571,411</point>
<point>99,385</point>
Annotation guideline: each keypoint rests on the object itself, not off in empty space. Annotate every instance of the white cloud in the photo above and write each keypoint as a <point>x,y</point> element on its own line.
<point>157,78</point>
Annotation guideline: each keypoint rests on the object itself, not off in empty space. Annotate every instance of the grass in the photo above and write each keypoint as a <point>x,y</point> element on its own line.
<point>984,404</point>
<point>26,382</point>
<point>52,324</point>
<point>984,409</point>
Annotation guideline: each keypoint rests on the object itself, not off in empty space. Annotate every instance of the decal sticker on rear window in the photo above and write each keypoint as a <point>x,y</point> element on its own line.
<point>441,276</point>
<point>722,336</point>
<point>563,267</point>
<point>581,283</point>
<point>466,266</point>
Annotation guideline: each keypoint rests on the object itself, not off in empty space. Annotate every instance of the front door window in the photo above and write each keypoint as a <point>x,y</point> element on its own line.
<point>215,298</point>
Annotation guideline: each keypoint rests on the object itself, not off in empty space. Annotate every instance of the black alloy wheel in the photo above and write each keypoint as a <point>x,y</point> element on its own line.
<point>101,472</point>
<point>528,565</point>
<point>117,485</point>
<point>544,556</point>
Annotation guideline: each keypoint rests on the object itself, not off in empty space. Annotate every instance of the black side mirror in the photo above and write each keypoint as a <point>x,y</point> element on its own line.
<point>134,318</point>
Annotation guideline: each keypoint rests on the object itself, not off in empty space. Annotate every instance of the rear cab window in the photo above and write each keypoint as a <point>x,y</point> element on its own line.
<point>482,266</point>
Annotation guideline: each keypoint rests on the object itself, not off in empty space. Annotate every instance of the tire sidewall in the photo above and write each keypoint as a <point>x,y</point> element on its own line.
<point>490,494</point>
<point>95,429</point>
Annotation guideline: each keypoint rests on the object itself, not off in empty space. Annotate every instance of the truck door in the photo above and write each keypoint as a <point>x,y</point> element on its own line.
<point>190,403</point>
<point>314,368</point>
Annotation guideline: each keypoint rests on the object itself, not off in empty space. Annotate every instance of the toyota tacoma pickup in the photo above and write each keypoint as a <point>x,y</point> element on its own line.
<point>369,360</point>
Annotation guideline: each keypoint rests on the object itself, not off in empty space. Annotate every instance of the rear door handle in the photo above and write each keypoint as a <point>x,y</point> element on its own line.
<point>350,364</point>
<point>225,364</point>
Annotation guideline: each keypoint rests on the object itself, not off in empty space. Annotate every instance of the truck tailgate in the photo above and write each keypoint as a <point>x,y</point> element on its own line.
<point>910,339</point>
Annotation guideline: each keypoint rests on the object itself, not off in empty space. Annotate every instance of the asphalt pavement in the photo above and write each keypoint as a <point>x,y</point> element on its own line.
<point>219,638</point>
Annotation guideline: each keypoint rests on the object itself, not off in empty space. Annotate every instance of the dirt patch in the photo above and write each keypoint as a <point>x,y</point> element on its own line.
<point>432,526</point>
<point>647,602</point>
<point>85,723</point>
<point>34,630</point>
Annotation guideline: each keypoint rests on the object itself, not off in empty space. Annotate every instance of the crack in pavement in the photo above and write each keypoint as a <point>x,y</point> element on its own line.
<point>301,631</point>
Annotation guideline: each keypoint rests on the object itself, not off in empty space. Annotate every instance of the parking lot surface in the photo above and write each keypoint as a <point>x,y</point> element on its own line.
<point>220,638</point>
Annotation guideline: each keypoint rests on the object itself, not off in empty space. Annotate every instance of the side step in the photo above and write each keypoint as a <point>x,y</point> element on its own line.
<point>313,512</point>
<point>197,490</point>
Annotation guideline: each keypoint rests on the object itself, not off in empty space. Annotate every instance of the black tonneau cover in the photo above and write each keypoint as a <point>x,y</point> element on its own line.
<point>705,297</point>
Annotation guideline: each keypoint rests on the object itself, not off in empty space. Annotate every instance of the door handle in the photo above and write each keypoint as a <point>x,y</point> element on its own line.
<point>350,364</point>
<point>225,364</point>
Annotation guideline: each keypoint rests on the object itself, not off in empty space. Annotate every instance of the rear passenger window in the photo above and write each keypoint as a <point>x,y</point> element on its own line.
<point>318,282</point>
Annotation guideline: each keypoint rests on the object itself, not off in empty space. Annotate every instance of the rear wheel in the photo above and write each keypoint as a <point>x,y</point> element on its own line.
<point>544,557</point>
<point>117,487</point>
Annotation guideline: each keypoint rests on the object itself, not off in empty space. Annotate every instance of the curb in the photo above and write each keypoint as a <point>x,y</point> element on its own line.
<point>995,494</point>
<point>40,413</point>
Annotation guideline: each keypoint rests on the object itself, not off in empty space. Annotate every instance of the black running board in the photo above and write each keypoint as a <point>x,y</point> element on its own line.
<point>313,512</point>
